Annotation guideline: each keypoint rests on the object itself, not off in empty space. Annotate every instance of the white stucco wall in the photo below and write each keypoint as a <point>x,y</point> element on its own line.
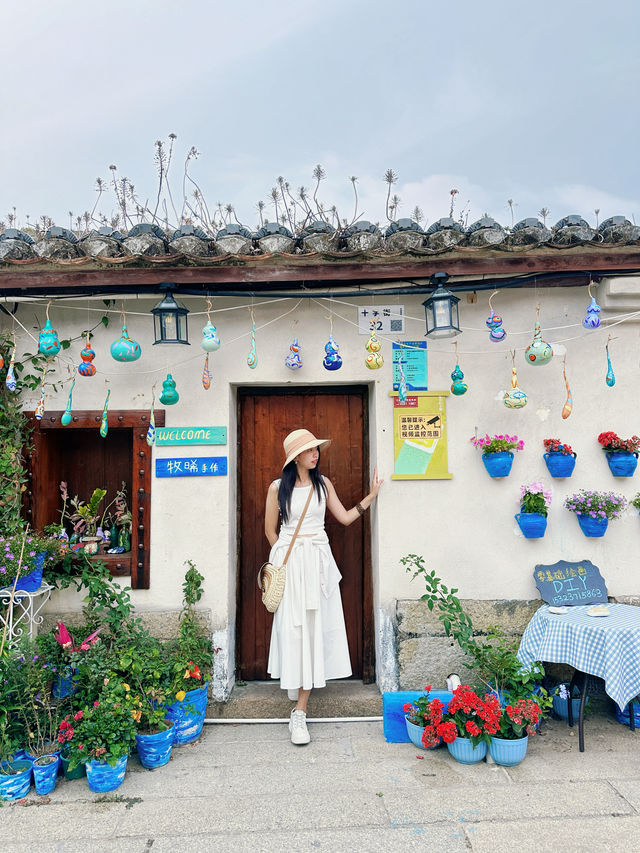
<point>465,526</point>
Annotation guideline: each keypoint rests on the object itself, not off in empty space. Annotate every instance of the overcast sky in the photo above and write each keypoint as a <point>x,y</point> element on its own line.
<point>536,102</point>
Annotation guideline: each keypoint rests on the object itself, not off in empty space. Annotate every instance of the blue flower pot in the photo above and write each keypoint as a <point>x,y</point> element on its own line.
<point>32,581</point>
<point>45,776</point>
<point>623,716</point>
<point>63,684</point>
<point>498,464</point>
<point>415,735</point>
<point>464,752</point>
<point>188,716</point>
<point>561,706</point>
<point>154,750</point>
<point>532,524</point>
<point>622,463</point>
<point>15,785</point>
<point>593,527</point>
<point>103,777</point>
<point>508,753</point>
<point>560,464</point>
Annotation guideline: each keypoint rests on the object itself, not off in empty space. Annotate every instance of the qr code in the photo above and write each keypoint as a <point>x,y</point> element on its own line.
<point>396,325</point>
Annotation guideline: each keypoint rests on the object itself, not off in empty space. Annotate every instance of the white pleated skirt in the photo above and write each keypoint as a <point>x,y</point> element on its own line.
<point>308,638</point>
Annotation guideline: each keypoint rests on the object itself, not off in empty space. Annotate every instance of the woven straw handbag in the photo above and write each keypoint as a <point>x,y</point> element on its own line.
<point>271,579</point>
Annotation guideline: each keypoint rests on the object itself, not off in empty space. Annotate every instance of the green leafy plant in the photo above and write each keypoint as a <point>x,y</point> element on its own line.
<point>519,720</point>
<point>191,652</point>
<point>497,444</point>
<point>15,440</point>
<point>85,516</point>
<point>596,504</point>
<point>535,498</point>
<point>149,675</point>
<point>635,501</point>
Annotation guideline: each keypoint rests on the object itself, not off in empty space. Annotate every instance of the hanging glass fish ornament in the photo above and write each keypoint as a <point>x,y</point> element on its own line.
<point>252,358</point>
<point>65,420</point>
<point>373,360</point>
<point>538,352</point>
<point>516,398</point>
<point>610,378</point>
<point>568,406</point>
<point>169,396</point>
<point>458,387</point>
<point>10,381</point>
<point>210,341</point>
<point>151,429</point>
<point>206,374</point>
<point>87,355</point>
<point>104,423</point>
<point>592,320</point>
<point>332,359</point>
<point>294,360</point>
<point>48,342</point>
<point>124,349</point>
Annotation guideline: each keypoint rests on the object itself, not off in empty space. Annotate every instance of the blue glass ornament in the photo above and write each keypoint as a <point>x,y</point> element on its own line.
<point>294,360</point>
<point>48,343</point>
<point>332,359</point>
<point>458,387</point>
<point>10,381</point>
<point>210,341</point>
<point>494,324</point>
<point>610,378</point>
<point>124,349</point>
<point>169,396</point>
<point>592,320</point>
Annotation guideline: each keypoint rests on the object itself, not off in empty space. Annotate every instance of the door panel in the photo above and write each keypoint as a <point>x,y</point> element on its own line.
<point>266,416</point>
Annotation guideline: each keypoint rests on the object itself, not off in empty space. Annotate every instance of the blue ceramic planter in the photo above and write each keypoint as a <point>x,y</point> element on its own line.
<point>593,527</point>
<point>560,464</point>
<point>532,524</point>
<point>188,716</point>
<point>508,753</point>
<point>45,776</point>
<point>14,786</point>
<point>154,750</point>
<point>498,464</point>
<point>63,684</point>
<point>464,752</point>
<point>415,735</point>
<point>102,777</point>
<point>561,706</point>
<point>622,463</point>
<point>32,581</point>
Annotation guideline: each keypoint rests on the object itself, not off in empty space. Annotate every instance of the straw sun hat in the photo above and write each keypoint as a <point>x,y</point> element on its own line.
<point>299,440</point>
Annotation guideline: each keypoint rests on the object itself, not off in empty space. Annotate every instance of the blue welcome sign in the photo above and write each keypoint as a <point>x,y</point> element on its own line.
<point>565,583</point>
<point>192,466</point>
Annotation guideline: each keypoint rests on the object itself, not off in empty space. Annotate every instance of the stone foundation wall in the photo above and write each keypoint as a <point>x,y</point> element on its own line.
<point>162,624</point>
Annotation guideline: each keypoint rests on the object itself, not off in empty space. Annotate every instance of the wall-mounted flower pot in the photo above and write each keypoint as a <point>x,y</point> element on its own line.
<point>622,463</point>
<point>593,527</point>
<point>532,524</point>
<point>498,464</point>
<point>560,464</point>
<point>33,580</point>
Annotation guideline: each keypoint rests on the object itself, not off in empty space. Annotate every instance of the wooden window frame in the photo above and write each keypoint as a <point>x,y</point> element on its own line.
<point>137,562</point>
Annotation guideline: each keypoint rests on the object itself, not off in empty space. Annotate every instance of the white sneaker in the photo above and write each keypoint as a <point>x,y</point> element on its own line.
<point>298,728</point>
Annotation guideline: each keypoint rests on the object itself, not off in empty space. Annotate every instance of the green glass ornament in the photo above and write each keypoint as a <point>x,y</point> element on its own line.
<point>169,396</point>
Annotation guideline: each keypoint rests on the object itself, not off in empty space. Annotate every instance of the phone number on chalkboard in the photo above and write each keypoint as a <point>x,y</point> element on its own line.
<point>580,595</point>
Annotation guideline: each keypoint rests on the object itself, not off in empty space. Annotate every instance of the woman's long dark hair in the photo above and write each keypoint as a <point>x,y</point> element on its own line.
<point>288,481</point>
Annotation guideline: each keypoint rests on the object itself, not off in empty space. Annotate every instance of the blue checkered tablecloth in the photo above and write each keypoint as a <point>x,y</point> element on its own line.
<point>606,646</point>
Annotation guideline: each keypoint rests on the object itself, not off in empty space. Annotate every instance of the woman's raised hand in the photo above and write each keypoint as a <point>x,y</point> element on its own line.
<point>375,484</point>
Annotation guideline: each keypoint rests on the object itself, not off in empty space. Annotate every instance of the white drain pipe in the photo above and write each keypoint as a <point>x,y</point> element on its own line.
<point>252,720</point>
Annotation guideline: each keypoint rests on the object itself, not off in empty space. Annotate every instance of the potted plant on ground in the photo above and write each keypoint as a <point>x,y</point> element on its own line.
<point>535,501</point>
<point>15,770</point>
<point>560,697</point>
<point>621,453</point>
<point>594,510</point>
<point>102,736</point>
<point>517,723</point>
<point>560,458</point>
<point>191,657</point>
<point>425,726</point>
<point>476,720</point>
<point>497,454</point>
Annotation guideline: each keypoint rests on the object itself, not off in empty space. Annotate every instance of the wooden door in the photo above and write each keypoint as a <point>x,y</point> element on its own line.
<point>266,416</point>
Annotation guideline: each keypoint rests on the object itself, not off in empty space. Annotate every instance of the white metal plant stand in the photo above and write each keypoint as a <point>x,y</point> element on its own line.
<point>20,612</point>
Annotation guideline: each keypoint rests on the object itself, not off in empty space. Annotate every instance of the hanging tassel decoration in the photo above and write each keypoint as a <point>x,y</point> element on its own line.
<point>516,398</point>
<point>151,430</point>
<point>610,378</point>
<point>10,381</point>
<point>568,406</point>
<point>252,358</point>
<point>104,423</point>
<point>206,374</point>
<point>65,420</point>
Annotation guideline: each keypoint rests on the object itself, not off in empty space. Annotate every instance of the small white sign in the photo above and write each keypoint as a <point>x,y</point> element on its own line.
<point>386,319</point>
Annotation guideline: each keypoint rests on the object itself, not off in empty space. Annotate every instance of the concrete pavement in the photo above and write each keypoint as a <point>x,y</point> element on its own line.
<point>246,788</point>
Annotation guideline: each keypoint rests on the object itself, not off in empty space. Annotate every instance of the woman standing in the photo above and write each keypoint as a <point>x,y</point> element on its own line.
<point>308,637</point>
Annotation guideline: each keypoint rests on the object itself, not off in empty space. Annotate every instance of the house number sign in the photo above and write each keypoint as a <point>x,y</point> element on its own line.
<point>192,466</point>
<point>190,435</point>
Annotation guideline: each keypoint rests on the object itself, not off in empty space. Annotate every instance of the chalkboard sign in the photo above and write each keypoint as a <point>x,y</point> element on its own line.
<point>566,583</point>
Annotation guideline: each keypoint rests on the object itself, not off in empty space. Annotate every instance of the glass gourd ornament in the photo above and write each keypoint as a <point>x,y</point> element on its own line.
<point>515,398</point>
<point>124,349</point>
<point>294,360</point>
<point>538,352</point>
<point>169,396</point>
<point>494,323</point>
<point>87,354</point>
<point>458,387</point>
<point>592,320</point>
<point>210,341</point>
<point>373,360</point>
<point>48,341</point>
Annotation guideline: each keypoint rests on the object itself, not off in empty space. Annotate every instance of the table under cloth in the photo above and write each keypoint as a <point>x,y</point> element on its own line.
<point>606,646</point>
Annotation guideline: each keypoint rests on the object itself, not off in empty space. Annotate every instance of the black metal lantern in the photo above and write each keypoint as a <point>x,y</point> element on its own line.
<point>170,321</point>
<point>441,309</point>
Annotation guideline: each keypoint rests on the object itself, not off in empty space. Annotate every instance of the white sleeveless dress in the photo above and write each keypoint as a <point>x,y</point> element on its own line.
<point>308,638</point>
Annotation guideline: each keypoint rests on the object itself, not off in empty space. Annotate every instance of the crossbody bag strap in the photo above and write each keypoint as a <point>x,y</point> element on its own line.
<point>293,538</point>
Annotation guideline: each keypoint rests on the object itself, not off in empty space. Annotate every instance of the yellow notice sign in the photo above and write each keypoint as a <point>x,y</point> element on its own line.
<point>420,436</point>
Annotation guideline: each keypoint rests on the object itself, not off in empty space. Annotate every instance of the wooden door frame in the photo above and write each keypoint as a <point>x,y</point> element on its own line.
<point>363,390</point>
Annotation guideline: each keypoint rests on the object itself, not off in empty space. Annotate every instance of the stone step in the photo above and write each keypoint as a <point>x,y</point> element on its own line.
<point>265,700</point>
